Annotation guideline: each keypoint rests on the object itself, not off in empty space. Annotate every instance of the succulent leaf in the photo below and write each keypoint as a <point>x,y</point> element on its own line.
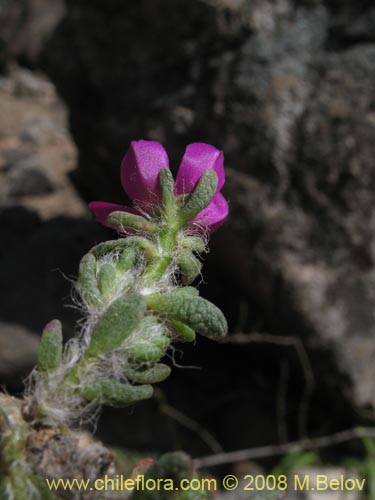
<point>107,278</point>
<point>149,375</point>
<point>185,333</point>
<point>126,219</point>
<point>194,243</point>
<point>199,314</point>
<point>87,281</point>
<point>190,266</point>
<point>117,323</point>
<point>201,196</point>
<point>51,347</point>
<point>114,393</point>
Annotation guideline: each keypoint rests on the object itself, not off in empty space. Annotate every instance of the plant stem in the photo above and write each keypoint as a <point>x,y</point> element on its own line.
<point>167,245</point>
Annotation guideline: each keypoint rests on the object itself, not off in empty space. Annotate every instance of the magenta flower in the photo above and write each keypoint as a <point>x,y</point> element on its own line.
<point>140,171</point>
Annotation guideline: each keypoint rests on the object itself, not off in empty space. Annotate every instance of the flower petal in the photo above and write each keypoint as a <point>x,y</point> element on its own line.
<point>214,214</point>
<point>140,171</point>
<point>197,159</point>
<point>102,209</point>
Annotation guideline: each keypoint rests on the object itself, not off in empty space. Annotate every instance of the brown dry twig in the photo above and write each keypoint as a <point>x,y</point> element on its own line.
<point>187,422</point>
<point>274,450</point>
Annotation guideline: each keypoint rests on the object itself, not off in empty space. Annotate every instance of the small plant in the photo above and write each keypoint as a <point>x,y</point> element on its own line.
<point>138,300</point>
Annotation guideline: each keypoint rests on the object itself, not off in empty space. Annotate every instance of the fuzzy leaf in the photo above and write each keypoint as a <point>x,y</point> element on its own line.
<point>167,189</point>
<point>111,246</point>
<point>153,375</point>
<point>117,323</point>
<point>125,219</point>
<point>87,282</point>
<point>146,351</point>
<point>50,348</point>
<point>201,196</point>
<point>184,332</point>
<point>107,278</point>
<point>190,266</point>
<point>126,260</point>
<point>144,245</point>
<point>161,341</point>
<point>199,314</point>
<point>187,290</point>
<point>113,393</point>
<point>194,243</point>
<point>128,244</point>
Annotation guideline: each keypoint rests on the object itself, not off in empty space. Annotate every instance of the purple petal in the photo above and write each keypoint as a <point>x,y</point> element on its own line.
<point>214,214</point>
<point>197,159</point>
<point>140,171</point>
<point>102,209</point>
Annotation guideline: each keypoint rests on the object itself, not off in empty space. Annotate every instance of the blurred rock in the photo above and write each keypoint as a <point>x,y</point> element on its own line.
<point>18,350</point>
<point>37,152</point>
<point>29,176</point>
<point>28,84</point>
<point>25,26</point>
<point>12,157</point>
<point>38,131</point>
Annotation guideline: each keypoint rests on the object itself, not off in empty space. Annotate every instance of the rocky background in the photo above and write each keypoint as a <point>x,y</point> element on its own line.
<point>286,89</point>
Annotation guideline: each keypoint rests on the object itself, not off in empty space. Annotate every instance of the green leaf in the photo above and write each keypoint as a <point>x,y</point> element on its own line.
<point>112,246</point>
<point>107,279</point>
<point>199,314</point>
<point>194,243</point>
<point>167,191</point>
<point>87,282</point>
<point>125,219</point>
<point>145,351</point>
<point>185,332</point>
<point>126,246</point>
<point>201,196</point>
<point>190,266</point>
<point>51,347</point>
<point>143,244</point>
<point>117,323</point>
<point>126,260</point>
<point>113,393</point>
<point>186,290</point>
<point>152,375</point>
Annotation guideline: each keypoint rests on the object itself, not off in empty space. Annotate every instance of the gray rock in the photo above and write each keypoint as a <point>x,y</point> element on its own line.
<point>25,25</point>
<point>39,131</point>
<point>18,350</point>
<point>29,177</point>
<point>11,157</point>
<point>29,84</point>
